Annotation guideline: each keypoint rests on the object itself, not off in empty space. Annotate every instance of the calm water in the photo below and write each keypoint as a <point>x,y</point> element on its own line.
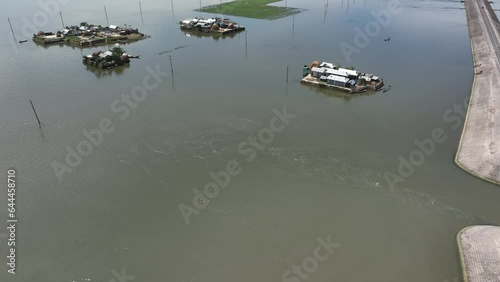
<point>323,175</point>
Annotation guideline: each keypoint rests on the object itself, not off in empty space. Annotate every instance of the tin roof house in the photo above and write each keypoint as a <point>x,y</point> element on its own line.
<point>330,75</point>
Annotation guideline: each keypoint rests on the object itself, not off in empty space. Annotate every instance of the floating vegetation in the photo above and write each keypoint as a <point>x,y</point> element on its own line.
<point>256,9</point>
<point>172,50</point>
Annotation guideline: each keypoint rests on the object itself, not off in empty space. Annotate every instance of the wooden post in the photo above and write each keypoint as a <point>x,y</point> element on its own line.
<point>62,21</point>
<point>173,14</point>
<point>33,107</point>
<point>172,71</point>
<point>171,66</point>
<point>286,85</point>
<point>140,9</point>
<point>106,13</point>
<point>324,16</point>
<point>11,29</point>
<point>246,44</point>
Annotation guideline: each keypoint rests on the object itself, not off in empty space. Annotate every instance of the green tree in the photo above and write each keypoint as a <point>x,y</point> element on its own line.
<point>117,52</point>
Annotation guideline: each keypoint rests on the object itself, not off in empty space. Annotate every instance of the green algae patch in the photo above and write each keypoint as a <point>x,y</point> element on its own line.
<point>255,9</point>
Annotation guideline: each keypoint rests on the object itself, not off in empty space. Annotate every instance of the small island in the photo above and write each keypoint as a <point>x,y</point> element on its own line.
<point>108,59</point>
<point>255,9</point>
<point>328,75</point>
<point>213,26</point>
<point>87,35</point>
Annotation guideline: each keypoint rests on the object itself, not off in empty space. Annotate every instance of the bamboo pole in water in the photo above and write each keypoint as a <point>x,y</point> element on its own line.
<point>171,66</point>
<point>62,20</point>
<point>106,13</point>
<point>286,85</point>
<point>11,29</point>
<point>36,115</point>
<point>140,9</point>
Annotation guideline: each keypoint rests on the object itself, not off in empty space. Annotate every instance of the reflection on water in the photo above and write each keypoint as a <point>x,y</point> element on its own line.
<point>322,174</point>
<point>60,44</point>
<point>102,73</point>
<point>340,95</point>
<point>201,34</point>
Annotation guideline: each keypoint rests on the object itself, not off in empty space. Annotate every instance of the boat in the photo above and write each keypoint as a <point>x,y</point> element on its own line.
<point>22,41</point>
<point>328,75</point>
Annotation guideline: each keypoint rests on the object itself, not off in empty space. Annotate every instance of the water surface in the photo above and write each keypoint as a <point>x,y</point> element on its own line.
<point>323,175</point>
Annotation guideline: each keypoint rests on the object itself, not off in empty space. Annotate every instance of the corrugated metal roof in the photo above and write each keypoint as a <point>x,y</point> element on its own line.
<point>350,72</point>
<point>336,72</point>
<point>328,65</point>
<point>338,78</point>
<point>315,69</point>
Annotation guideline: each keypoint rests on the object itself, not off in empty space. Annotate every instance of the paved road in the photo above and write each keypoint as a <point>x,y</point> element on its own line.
<point>479,149</point>
<point>491,27</point>
<point>479,253</point>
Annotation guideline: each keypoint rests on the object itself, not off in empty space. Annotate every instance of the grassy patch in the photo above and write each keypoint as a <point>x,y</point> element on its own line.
<point>256,9</point>
<point>72,38</point>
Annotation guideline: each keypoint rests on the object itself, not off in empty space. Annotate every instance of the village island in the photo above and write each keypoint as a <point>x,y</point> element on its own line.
<point>88,35</point>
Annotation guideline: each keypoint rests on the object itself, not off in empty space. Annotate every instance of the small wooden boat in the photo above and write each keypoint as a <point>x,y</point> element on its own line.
<point>22,41</point>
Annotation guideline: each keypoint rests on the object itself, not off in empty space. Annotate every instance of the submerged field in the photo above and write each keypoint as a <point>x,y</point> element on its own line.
<point>256,9</point>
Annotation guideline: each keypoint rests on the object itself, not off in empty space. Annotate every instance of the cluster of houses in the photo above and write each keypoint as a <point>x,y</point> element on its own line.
<point>97,30</point>
<point>108,59</point>
<point>89,35</point>
<point>319,74</point>
<point>214,25</point>
<point>330,75</point>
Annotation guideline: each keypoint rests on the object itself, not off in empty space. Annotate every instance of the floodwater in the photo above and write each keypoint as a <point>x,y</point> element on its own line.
<point>322,175</point>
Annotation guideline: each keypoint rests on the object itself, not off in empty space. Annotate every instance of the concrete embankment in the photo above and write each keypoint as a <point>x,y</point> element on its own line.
<point>479,149</point>
<point>479,248</point>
